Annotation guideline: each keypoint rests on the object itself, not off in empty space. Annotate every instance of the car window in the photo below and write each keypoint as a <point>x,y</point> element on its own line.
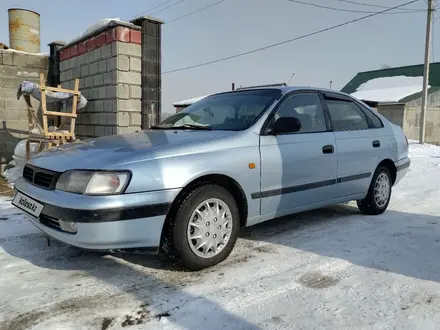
<point>346,115</point>
<point>228,111</point>
<point>214,115</point>
<point>307,108</point>
<point>375,121</point>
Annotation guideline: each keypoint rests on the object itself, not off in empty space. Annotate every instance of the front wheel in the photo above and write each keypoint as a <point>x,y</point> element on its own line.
<point>205,227</point>
<point>379,193</point>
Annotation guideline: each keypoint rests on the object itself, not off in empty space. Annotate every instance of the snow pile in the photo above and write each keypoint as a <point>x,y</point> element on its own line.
<point>26,74</point>
<point>15,169</point>
<point>100,24</point>
<point>189,101</point>
<point>20,149</point>
<point>423,150</point>
<point>389,89</point>
<point>35,130</point>
<point>12,174</point>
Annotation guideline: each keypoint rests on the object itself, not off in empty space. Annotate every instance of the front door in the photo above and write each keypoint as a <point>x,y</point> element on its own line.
<point>298,169</point>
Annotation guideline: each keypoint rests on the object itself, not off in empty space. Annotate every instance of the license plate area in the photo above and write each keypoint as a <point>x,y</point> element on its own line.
<point>27,204</point>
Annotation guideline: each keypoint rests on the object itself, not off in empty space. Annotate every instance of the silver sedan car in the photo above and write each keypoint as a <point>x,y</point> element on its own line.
<point>186,186</point>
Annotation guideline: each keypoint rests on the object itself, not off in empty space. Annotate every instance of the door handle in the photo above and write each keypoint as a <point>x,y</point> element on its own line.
<point>376,144</point>
<point>328,149</point>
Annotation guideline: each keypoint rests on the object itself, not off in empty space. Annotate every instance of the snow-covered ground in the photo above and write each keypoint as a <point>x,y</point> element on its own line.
<point>327,269</point>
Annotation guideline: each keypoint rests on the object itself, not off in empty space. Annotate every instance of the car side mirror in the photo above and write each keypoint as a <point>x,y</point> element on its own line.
<point>285,125</point>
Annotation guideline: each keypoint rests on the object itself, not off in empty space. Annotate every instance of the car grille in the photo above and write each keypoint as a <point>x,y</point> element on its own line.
<point>28,174</point>
<point>40,177</point>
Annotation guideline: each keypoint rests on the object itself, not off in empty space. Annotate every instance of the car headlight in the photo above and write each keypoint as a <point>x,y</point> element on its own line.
<point>94,182</point>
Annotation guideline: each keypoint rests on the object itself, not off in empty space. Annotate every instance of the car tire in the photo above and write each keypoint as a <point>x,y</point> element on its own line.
<point>187,221</point>
<point>379,193</point>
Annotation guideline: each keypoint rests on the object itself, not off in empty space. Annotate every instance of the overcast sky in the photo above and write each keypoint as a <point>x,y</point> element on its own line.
<point>236,26</point>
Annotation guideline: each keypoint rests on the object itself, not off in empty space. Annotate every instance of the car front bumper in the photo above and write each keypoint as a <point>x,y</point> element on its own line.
<point>123,221</point>
<point>402,167</point>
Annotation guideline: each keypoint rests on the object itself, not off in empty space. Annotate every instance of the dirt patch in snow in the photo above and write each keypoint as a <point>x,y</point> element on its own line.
<point>143,315</point>
<point>316,280</point>
<point>5,189</point>
<point>265,248</point>
<point>106,322</point>
<point>22,321</point>
<point>26,320</point>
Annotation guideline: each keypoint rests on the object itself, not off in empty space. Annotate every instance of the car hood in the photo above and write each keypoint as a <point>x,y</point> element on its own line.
<point>113,151</point>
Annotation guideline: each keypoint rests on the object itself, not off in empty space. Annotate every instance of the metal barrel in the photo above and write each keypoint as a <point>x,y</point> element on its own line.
<point>24,30</point>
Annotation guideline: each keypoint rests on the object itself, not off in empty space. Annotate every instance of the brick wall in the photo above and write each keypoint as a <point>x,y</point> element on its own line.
<point>108,65</point>
<point>15,67</point>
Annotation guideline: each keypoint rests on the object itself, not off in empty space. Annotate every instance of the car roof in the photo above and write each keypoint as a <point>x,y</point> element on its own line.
<point>287,89</point>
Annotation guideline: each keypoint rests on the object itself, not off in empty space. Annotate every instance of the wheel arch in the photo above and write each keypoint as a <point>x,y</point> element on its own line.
<point>221,180</point>
<point>388,163</point>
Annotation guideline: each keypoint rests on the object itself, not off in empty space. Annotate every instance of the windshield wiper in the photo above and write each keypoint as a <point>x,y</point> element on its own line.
<point>184,126</point>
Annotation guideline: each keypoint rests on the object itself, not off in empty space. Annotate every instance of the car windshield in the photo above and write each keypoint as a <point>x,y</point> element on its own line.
<point>228,111</point>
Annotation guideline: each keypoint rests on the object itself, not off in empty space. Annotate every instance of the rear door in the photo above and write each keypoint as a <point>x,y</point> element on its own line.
<point>360,139</point>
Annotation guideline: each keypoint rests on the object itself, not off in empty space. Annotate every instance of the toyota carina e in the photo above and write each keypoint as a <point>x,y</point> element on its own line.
<point>187,185</point>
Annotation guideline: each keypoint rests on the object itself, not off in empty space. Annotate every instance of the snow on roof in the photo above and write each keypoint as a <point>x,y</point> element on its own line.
<point>10,50</point>
<point>99,25</point>
<point>189,101</point>
<point>94,27</point>
<point>389,89</point>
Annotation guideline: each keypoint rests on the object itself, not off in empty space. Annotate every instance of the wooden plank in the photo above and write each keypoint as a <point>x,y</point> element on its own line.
<point>74,105</point>
<point>60,114</point>
<point>47,139</point>
<point>62,90</point>
<point>42,139</point>
<point>43,102</point>
<point>51,135</point>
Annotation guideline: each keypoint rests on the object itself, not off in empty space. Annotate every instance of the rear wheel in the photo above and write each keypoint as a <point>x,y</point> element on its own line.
<point>205,227</point>
<point>379,193</point>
